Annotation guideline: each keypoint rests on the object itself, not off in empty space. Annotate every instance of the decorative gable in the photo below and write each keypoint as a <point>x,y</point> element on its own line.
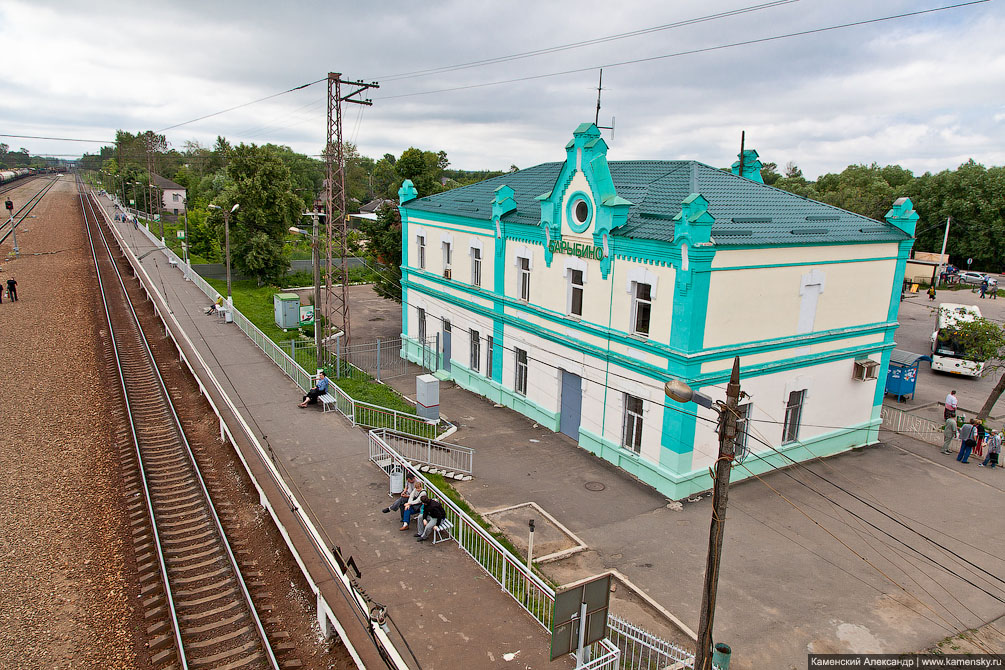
<point>583,207</point>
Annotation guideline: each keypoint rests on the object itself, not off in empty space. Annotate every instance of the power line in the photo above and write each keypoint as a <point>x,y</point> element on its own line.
<point>245,104</point>
<point>576,45</point>
<point>690,52</point>
<point>61,139</point>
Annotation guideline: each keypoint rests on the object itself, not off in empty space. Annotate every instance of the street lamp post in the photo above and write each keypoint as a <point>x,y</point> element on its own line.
<point>184,243</point>
<point>316,258</point>
<point>728,423</point>
<point>226,237</point>
<point>9,204</point>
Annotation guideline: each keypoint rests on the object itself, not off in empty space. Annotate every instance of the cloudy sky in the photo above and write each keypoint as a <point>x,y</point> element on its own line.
<point>926,92</point>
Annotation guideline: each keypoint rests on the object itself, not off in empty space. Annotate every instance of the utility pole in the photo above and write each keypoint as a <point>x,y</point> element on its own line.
<point>316,257</point>
<point>945,239</point>
<point>336,306</point>
<point>743,137</point>
<point>720,492</point>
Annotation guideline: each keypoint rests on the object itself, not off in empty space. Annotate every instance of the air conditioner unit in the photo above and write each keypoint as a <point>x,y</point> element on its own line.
<point>446,273</point>
<point>865,369</point>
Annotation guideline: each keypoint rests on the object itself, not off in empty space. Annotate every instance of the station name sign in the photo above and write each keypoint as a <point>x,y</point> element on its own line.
<point>576,249</point>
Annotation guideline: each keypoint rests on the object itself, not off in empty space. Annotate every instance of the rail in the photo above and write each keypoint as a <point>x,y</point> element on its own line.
<point>442,455</point>
<point>529,590</point>
<point>912,425</point>
<point>605,656</point>
<point>641,649</point>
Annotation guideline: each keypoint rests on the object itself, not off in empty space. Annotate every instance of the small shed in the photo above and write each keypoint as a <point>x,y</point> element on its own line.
<point>287,306</point>
<point>903,374</point>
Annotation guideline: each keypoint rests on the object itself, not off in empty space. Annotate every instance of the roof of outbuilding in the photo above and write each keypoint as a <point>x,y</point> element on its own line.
<point>164,182</point>
<point>745,212</point>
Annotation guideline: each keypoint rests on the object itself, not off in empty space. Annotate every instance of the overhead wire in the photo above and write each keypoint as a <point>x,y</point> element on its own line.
<point>688,52</point>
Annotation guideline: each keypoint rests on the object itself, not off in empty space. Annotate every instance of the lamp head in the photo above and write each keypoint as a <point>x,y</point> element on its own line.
<point>234,208</point>
<point>678,390</point>
<point>212,206</point>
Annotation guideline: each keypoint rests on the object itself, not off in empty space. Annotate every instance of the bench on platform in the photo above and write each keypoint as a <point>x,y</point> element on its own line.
<point>442,531</point>
<point>327,401</point>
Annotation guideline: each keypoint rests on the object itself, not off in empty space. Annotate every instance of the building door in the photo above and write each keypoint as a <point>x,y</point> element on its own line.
<point>446,345</point>
<point>572,404</point>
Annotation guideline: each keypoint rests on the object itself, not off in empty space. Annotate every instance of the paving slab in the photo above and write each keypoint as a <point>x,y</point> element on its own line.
<point>450,612</point>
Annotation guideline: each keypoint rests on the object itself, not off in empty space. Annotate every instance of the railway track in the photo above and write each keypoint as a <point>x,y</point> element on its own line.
<point>7,226</point>
<point>198,607</point>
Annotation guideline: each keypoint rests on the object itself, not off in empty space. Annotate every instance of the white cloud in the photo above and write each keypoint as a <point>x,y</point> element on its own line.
<point>923,91</point>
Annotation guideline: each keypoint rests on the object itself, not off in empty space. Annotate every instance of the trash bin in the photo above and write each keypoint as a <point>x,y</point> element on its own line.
<point>397,480</point>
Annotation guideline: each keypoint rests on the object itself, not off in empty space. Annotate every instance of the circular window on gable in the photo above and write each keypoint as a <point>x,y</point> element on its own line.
<point>580,212</point>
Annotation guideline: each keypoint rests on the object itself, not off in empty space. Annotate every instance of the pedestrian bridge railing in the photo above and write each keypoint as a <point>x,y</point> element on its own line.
<point>912,425</point>
<point>512,574</point>
<point>441,455</point>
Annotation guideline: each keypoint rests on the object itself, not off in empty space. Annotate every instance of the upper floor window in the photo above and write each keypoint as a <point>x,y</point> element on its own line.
<point>793,416</point>
<point>175,197</point>
<point>574,301</point>
<point>447,258</point>
<point>476,266</point>
<point>524,277</point>
<point>421,242</point>
<point>642,305</point>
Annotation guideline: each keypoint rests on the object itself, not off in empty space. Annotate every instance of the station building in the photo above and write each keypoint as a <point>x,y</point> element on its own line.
<point>572,291</point>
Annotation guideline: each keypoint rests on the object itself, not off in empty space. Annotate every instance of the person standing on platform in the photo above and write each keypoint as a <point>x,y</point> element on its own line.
<point>969,436</point>
<point>951,404</point>
<point>994,443</point>
<point>12,289</point>
<point>949,434</point>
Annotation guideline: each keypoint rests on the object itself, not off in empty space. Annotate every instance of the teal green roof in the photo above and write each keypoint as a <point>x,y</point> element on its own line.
<point>745,212</point>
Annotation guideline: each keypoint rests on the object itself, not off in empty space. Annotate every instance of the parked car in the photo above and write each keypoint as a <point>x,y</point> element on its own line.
<point>967,277</point>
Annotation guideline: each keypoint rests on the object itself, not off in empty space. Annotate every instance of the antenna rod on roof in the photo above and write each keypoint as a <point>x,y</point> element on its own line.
<point>743,137</point>
<point>600,85</point>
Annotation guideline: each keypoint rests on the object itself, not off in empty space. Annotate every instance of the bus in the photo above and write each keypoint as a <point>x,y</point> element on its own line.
<point>948,353</point>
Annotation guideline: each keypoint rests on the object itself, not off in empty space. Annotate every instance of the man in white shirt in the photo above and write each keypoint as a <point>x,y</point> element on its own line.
<point>951,404</point>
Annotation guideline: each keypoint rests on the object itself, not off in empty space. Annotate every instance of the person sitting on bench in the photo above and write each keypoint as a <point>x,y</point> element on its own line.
<point>407,503</point>
<point>432,515</point>
<point>320,388</point>
<point>217,306</point>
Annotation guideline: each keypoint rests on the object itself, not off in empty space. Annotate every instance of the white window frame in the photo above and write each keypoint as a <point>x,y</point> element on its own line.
<point>523,277</point>
<point>420,241</point>
<point>571,292</point>
<point>522,370</point>
<point>476,350</point>
<point>794,405</point>
<point>447,248</point>
<point>489,347</point>
<point>476,266</point>
<point>636,301</point>
<point>632,422</point>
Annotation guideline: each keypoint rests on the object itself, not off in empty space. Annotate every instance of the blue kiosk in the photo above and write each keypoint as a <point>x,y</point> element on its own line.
<point>903,374</point>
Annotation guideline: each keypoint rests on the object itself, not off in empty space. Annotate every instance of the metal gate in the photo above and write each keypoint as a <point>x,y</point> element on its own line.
<point>380,358</point>
<point>572,404</point>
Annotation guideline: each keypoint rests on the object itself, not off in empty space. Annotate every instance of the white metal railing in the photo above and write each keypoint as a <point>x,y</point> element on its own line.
<point>641,649</point>
<point>912,425</point>
<point>529,590</point>
<point>604,655</point>
<point>443,455</point>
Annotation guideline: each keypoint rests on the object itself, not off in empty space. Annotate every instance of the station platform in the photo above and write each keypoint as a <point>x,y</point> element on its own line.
<point>448,611</point>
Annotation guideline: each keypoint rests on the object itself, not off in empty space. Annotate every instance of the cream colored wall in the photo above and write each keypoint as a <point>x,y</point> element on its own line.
<point>782,354</point>
<point>756,304</point>
<point>662,311</point>
<point>833,400</point>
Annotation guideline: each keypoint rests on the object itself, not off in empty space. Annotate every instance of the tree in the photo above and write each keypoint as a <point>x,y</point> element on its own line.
<point>384,245</point>
<point>424,168</point>
<point>261,184</point>
<point>769,173</point>
<point>984,340</point>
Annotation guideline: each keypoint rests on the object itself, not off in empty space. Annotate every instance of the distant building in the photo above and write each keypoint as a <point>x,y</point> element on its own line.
<point>572,291</point>
<point>172,195</point>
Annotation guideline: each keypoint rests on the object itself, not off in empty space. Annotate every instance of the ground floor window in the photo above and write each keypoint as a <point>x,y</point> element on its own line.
<point>521,372</point>
<point>476,351</point>
<point>488,356</point>
<point>631,435</point>
<point>422,324</point>
<point>793,415</point>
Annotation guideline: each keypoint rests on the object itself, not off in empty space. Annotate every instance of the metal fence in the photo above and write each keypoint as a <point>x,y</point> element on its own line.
<point>379,359</point>
<point>605,656</point>
<point>442,455</point>
<point>912,425</point>
<point>641,649</point>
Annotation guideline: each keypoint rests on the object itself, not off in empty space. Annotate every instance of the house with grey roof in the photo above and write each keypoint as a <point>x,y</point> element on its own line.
<point>572,291</point>
<point>172,194</point>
